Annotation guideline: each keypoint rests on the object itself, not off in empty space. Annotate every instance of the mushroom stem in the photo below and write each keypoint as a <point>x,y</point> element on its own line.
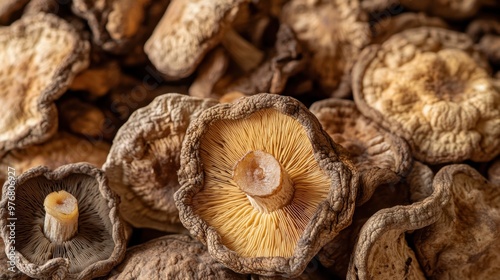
<point>61,216</point>
<point>246,55</point>
<point>265,182</point>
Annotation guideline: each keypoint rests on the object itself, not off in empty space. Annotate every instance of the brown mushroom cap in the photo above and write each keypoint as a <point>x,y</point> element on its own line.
<point>39,56</point>
<point>221,215</point>
<point>465,242</point>
<point>144,158</point>
<point>171,257</point>
<point>189,30</point>
<point>100,242</point>
<point>334,32</point>
<point>425,85</point>
<point>380,157</point>
<point>9,270</point>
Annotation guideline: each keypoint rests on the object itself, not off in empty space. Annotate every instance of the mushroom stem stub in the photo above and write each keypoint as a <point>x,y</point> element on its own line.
<point>61,216</point>
<point>265,182</point>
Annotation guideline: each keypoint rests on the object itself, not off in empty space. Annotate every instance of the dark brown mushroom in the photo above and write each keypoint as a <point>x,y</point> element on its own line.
<point>98,80</point>
<point>83,118</point>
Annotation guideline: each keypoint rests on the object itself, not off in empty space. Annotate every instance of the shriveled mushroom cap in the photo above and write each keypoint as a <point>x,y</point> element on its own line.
<point>39,56</point>
<point>450,9</point>
<point>428,86</point>
<point>189,30</point>
<point>382,251</point>
<point>171,257</point>
<point>9,270</point>
<point>465,242</point>
<point>10,7</point>
<point>334,32</point>
<point>380,157</point>
<point>99,243</point>
<point>217,208</point>
<point>144,158</point>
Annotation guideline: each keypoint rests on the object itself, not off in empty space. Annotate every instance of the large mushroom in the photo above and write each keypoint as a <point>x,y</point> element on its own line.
<point>66,223</point>
<point>263,186</point>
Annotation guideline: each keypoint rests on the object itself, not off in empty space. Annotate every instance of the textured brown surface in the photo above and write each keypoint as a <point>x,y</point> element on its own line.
<point>494,172</point>
<point>8,8</point>
<point>144,158</point>
<point>5,273</point>
<point>450,9</point>
<point>428,86</point>
<point>39,56</point>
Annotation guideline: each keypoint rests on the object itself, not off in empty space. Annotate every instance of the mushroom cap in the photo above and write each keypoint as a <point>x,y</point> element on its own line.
<point>189,30</point>
<point>218,213</point>
<point>171,257</point>
<point>334,32</point>
<point>428,86</point>
<point>39,56</point>
<point>5,273</point>
<point>450,9</point>
<point>465,242</point>
<point>381,157</point>
<point>144,158</point>
<point>100,242</point>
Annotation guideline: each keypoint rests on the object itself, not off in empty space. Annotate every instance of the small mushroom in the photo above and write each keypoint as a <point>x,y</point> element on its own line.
<point>465,242</point>
<point>428,86</point>
<point>171,257</point>
<point>263,186</point>
<point>67,224</point>
<point>380,157</point>
<point>98,81</point>
<point>83,118</point>
<point>8,9</point>
<point>39,56</point>
<point>144,159</point>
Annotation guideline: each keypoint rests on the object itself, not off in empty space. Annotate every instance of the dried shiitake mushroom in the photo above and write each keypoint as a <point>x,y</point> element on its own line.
<point>465,242</point>
<point>144,158</point>
<point>67,224</point>
<point>209,73</point>
<point>39,56</point>
<point>99,80</point>
<point>486,32</point>
<point>8,270</point>
<point>380,157</point>
<point>263,186</point>
<point>8,8</point>
<point>334,32</point>
<point>171,257</point>
<point>428,86</point>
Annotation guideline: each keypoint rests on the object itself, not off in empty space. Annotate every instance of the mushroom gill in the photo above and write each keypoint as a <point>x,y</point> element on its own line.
<point>227,206</point>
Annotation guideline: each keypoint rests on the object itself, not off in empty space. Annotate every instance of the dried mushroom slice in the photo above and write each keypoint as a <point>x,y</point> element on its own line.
<point>144,158</point>
<point>189,30</point>
<point>381,251</point>
<point>8,8</point>
<point>380,157</point>
<point>171,257</point>
<point>428,86</point>
<point>67,224</point>
<point>39,56</point>
<point>263,186</point>
<point>334,32</point>
<point>465,242</point>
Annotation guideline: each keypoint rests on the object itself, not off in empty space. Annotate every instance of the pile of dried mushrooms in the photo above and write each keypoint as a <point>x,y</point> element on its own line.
<point>238,139</point>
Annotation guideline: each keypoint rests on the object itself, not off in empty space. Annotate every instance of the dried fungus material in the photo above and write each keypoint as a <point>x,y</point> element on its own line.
<point>494,173</point>
<point>334,32</point>
<point>209,73</point>
<point>465,242</point>
<point>428,86</point>
<point>144,158</point>
<point>83,118</point>
<point>98,81</point>
<point>8,8</point>
<point>39,57</point>
<point>380,157</point>
<point>381,251</point>
<point>449,9</point>
<point>189,30</point>
<point>171,257</point>
<point>8,270</point>
<point>296,191</point>
<point>99,243</point>
<point>490,46</point>
<point>483,26</point>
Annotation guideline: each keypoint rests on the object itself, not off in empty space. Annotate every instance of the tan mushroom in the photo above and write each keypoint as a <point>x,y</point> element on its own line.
<point>210,72</point>
<point>84,118</point>
<point>8,8</point>
<point>334,32</point>
<point>428,86</point>
<point>171,257</point>
<point>144,158</point>
<point>39,56</point>
<point>486,32</point>
<point>67,224</point>
<point>380,157</point>
<point>263,186</point>
<point>465,242</point>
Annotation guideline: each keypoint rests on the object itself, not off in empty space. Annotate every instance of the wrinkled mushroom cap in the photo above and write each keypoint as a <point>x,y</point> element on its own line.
<point>494,172</point>
<point>218,212</point>
<point>39,56</point>
<point>427,86</point>
<point>100,242</point>
<point>144,158</point>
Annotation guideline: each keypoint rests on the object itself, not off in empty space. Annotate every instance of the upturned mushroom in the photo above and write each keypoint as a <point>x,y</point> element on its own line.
<point>263,186</point>
<point>39,57</point>
<point>67,224</point>
<point>144,159</point>
<point>430,87</point>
